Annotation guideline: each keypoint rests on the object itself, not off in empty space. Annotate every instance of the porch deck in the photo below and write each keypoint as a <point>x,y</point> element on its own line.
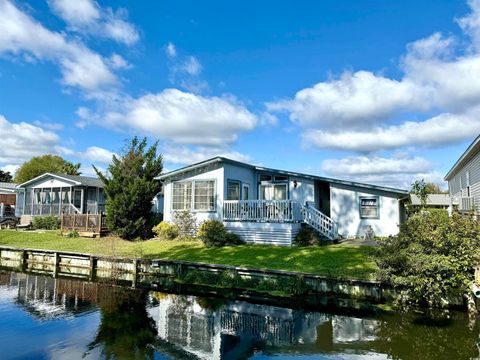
<point>245,217</point>
<point>85,224</point>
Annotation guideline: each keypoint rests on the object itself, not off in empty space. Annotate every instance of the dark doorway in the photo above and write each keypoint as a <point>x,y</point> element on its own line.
<point>322,197</point>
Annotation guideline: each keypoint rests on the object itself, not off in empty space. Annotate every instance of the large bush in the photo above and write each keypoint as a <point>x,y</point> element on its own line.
<point>166,231</point>
<point>433,257</point>
<point>214,234</point>
<point>46,222</point>
<point>130,186</point>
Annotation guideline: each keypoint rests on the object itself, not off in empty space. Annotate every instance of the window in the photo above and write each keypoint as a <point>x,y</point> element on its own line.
<point>204,196</point>
<point>233,190</point>
<point>265,177</point>
<point>246,192</point>
<point>182,196</point>
<point>198,195</point>
<point>273,192</point>
<point>77,198</point>
<point>369,208</point>
<point>281,178</point>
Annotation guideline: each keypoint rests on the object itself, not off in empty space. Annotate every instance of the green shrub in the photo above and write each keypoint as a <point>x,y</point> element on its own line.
<point>46,222</point>
<point>72,234</point>
<point>309,237</point>
<point>166,231</point>
<point>433,257</point>
<point>214,234</point>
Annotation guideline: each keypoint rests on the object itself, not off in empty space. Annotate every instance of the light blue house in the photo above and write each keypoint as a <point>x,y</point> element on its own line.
<point>265,205</point>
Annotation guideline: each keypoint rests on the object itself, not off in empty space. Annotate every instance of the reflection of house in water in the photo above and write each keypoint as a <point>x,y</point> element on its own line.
<point>46,297</point>
<point>236,328</point>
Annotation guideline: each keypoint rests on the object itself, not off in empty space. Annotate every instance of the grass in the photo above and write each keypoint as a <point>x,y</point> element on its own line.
<point>340,261</point>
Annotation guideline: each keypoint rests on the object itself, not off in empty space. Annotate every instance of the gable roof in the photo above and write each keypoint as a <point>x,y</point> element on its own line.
<point>471,151</point>
<point>77,180</point>
<point>220,159</point>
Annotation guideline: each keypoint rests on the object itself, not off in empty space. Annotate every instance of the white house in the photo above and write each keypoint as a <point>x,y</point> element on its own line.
<point>464,179</point>
<point>265,205</point>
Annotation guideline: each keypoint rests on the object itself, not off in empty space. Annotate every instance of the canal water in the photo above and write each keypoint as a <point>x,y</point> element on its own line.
<point>49,318</point>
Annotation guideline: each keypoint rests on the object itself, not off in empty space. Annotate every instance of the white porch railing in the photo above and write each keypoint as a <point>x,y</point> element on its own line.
<point>49,209</point>
<point>319,221</point>
<point>262,210</point>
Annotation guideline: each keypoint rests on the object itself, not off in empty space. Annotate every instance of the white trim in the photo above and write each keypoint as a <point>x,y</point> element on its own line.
<point>46,175</point>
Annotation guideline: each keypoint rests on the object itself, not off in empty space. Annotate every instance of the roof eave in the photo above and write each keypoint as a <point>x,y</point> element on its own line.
<point>474,146</point>
<point>45,175</point>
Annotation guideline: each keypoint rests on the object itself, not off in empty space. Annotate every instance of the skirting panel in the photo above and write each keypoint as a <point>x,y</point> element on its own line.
<point>264,233</point>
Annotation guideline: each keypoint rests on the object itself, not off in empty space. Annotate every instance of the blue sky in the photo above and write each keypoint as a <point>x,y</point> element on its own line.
<point>383,92</point>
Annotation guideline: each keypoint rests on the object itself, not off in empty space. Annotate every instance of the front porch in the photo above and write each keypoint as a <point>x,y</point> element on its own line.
<point>274,221</point>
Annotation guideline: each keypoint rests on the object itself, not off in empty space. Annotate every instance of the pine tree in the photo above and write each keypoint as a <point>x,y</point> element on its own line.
<point>130,188</point>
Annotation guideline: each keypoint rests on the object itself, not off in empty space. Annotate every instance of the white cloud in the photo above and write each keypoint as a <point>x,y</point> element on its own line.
<point>361,110</point>
<point>87,17</point>
<point>363,165</point>
<point>48,125</point>
<point>179,116</point>
<point>434,132</point>
<point>21,141</point>
<point>398,172</point>
<point>171,50</point>
<point>182,155</point>
<point>96,154</point>
<point>118,62</point>
<point>80,67</point>
<point>191,66</point>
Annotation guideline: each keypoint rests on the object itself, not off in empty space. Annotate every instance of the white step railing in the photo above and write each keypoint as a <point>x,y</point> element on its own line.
<point>464,203</point>
<point>262,210</point>
<point>319,221</point>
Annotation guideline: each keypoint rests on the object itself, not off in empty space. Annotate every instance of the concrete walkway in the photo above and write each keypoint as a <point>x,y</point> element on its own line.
<point>359,241</point>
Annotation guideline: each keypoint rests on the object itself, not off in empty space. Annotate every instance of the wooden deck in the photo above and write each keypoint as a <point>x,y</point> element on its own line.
<point>87,225</point>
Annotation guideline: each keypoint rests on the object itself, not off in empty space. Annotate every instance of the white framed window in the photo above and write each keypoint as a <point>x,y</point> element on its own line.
<point>369,207</point>
<point>196,195</point>
<point>233,190</point>
<point>204,195</point>
<point>273,192</point>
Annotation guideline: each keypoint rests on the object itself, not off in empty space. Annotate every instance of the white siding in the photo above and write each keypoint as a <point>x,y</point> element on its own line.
<point>217,175</point>
<point>458,184</point>
<point>50,182</point>
<point>242,174</point>
<point>264,233</point>
<point>345,210</point>
<point>304,192</point>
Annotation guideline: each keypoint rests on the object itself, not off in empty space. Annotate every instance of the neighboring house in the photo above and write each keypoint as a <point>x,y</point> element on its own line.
<point>434,201</point>
<point>265,205</point>
<point>464,179</point>
<point>7,193</point>
<point>56,194</point>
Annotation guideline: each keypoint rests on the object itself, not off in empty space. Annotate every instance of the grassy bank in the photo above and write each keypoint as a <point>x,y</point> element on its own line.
<point>334,260</point>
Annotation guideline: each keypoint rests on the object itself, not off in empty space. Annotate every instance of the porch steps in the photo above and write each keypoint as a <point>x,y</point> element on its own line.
<point>324,225</point>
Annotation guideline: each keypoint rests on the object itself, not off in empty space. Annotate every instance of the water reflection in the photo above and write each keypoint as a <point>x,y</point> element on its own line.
<point>44,317</point>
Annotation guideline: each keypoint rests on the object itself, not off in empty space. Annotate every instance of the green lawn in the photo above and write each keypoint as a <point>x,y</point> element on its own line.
<point>345,261</point>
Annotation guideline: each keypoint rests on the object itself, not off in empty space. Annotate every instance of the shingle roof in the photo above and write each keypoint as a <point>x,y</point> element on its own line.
<point>260,168</point>
<point>432,199</point>
<point>6,185</point>
<point>84,180</point>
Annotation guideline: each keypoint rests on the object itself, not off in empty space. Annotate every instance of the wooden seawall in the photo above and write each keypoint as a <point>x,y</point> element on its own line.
<point>146,273</point>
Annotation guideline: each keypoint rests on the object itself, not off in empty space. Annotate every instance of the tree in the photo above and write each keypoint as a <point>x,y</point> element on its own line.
<point>434,188</point>
<point>432,259</point>
<point>420,189</point>
<point>39,165</point>
<point>5,176</point>
<point>130,189</point>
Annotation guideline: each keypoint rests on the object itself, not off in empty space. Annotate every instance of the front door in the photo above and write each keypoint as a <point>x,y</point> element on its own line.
<point>77,199</point>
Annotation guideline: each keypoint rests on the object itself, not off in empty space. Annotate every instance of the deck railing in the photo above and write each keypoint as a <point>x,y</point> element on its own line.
<point>262,210</point>
<point>318,220</point>
<point>84,222</point>
<point>49,209</point>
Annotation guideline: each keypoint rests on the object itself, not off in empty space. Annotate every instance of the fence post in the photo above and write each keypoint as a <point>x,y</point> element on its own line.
<point>86,223</point>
